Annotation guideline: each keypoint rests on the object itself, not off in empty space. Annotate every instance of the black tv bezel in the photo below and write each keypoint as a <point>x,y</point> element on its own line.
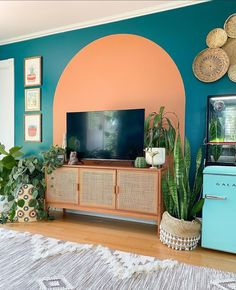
<point>103,159</point>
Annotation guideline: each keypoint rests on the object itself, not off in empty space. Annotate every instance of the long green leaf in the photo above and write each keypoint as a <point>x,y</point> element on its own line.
<point>173,191</point>
<point>197,207</point>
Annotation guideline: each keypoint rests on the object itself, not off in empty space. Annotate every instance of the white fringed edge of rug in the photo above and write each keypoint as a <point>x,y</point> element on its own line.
<point>121,264</point>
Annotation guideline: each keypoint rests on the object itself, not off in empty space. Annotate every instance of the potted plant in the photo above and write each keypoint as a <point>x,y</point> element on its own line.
<point>53,158</point>
<point>160,135</point>
<point>9,161</point>
<point>179,229</point>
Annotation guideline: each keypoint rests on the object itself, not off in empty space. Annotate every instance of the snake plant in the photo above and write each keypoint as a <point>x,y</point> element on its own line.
<point>182,200</point>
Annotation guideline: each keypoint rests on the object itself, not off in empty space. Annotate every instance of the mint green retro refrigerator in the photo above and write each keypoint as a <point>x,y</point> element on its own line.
<point>219,210</point>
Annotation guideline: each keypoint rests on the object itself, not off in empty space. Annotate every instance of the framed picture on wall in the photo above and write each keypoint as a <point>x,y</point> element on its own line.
<point>32,71</point>
<point>32,127</point>
<point>32,99</point>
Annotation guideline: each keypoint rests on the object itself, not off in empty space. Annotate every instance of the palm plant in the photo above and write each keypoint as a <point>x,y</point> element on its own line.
<point>159,130</point>
<point>182,200</point>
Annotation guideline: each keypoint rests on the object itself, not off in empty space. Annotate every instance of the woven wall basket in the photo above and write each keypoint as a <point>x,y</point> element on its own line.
<point>179,234</point>
<point>230,49</point>
<point>232,73</point>
<point>230,26</point>
<point>216,38</point>
<point>210,64</point>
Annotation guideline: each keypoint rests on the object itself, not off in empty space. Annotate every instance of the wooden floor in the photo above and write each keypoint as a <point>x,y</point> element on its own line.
<point>123,235</point>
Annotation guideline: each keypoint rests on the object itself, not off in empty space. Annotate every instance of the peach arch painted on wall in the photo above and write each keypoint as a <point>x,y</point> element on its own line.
<point>120,71</point>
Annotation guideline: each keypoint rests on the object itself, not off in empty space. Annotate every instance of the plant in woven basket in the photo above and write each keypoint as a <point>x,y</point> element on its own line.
<point>181,200</point>
<point>160,133</point>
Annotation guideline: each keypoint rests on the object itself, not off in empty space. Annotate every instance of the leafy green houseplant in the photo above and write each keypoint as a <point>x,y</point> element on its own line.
<point>182,201</point>
<point>160,133</point>
<point>9,160</point>
<point>27,171</point>
<point>53,158</point>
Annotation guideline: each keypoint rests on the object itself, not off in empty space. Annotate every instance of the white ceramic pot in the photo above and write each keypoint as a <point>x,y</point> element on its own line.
<point>155,156</point>
<point>5,205</point>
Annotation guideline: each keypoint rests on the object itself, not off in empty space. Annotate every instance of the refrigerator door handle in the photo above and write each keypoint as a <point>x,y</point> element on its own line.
<point>215,197</point>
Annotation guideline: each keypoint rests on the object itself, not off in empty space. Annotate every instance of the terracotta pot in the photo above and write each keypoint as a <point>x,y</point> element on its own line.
<point>179,234</point>
<point>31,77</point>
<point>32,130</point>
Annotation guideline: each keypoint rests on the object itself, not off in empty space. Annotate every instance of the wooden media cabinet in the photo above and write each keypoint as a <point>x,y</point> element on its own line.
<point>123,191</point>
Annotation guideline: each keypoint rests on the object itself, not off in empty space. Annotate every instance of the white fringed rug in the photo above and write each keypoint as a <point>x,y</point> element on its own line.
<point>30,262</point>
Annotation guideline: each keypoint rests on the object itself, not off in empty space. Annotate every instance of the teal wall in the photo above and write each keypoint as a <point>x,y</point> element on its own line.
<point>181,32</point>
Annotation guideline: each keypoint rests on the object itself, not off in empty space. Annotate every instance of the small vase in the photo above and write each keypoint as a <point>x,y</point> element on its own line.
<point>155,156</point>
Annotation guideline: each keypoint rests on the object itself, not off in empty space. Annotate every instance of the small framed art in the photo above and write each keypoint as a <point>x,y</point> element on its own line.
<point>32,71</point>
<point>32,99</point>
<point>32,127</point>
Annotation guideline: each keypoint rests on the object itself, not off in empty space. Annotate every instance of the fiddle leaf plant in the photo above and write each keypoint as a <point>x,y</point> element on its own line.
<point>182,200</point>
<point>159,130</point>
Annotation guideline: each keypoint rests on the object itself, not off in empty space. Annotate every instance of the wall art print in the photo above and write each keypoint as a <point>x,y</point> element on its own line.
<point>32,127</point>
<point>32,71</point>
<point>32,99</point>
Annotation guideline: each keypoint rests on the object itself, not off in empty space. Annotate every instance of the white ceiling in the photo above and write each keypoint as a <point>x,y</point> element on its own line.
<point>20,20</point>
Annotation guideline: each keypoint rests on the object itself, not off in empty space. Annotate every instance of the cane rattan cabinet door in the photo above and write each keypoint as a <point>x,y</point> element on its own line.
<point>97,188</point>
<point>137,191</point>
<point>62,186</point>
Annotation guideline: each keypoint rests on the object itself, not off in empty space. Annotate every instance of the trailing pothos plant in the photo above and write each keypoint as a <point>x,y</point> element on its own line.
<point>182,200</point>
<point>28,171</point>
<point>53,158</point>
<point>159,130</point>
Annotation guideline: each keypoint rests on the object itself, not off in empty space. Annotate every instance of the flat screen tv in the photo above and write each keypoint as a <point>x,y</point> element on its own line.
<point>113,135</point>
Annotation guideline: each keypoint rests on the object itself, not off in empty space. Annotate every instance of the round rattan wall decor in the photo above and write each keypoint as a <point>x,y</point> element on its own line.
<point>210,64</point>
<point>216,38</point>
<point>230,26</point>
<point>232,73</point>
<point>230,49</point>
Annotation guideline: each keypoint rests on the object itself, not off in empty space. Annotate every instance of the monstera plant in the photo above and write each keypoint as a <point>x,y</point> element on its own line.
<point>178,228</point>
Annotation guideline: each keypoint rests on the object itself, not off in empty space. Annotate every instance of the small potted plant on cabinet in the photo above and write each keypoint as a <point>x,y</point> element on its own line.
<point>179,229</point>
<point>160,136</point>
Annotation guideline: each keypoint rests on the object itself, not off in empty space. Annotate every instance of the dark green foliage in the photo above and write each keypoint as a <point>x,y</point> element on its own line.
<point>215,135</point>
<point>180,200</point>
<point>28,171</point>
<point>159,130</point>
<point>53,158</point>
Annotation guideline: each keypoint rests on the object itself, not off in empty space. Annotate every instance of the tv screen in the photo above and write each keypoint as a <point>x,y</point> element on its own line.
<point>115,135</point>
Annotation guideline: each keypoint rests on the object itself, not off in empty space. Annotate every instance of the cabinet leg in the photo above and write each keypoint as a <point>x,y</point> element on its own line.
<point>63,211</point>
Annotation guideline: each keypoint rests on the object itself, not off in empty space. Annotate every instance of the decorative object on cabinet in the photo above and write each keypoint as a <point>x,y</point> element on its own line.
<point>232,73</point>
<point>123,191</point>
<point>230,26</point>
<point>219,191</point>
<point>179,229</point>
<point>221,130</point>
<point>210,64</point>
<point>73,158</point>
<point>159,135</point>
<point>140,162</point>
<point>32,71</point>
<point>216,38</point>
<point>32,99</point>
<point>32,128</point>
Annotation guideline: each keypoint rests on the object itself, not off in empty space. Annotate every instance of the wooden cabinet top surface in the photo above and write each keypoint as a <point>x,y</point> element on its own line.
<point>157,170</point>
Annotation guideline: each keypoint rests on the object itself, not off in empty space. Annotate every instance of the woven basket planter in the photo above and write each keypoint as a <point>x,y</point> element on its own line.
<point>179,234</point>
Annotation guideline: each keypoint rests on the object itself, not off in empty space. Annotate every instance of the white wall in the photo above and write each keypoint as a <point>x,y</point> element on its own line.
<point>7,103</point>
